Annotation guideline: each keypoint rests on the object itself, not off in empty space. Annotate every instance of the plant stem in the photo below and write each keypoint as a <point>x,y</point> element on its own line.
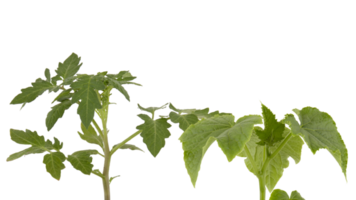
<point>261,181</point>
<point>106,179</point>
<point>125,141</point>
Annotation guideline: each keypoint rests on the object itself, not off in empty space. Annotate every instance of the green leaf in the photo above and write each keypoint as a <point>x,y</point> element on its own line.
<point>27,137</point>
<point>182,120</point>
<point>57,145</point>
<point>55,79</point>
<point>154,132</point>
<point>30,150</point>
<point>86,86</point>
<point>69,67</point>
<point>191,117</point>
<point>114,177</point>
<point>122,79</point>
<point>56,113</point>
<point>132,147</point>
<point>53,160</point>
<point>90,135</point>
<point>273,129</point>
<point>54,164</point>
<point>98,173</point>
<point>48,75</point>
<point>151,109</point>
<point>29,94</point>
<point>64,95</point>
<point>319,131</point>
<point>104,98</point>
<point>231,138</point>
<point>278,194</point>
<point>274,171</point>
<point>81,160</point>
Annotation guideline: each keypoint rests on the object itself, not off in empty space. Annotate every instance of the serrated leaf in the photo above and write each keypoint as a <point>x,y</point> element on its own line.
<point>81,160</point>
<point>55,79</point>
<point>319,131</point>
<point>90,135</point>
<point>128,146</point>
<point>273,130</point>
<point>182,120</point>
<point>278,194</point>
<point>112,178</point>
<point>54,164</point>
<point>231,138</point>
<point>86,86</point>
<point>39,145</point>
<point>69,80</point>
<point>69,67</point>
<point>187,111</point>
<point>58,144</point>
<point>56,113</point>
<point>151,109</point>
<point>29,94</point>
<point>122,79</point>
<point>27,137</point>
<point>154,133</point>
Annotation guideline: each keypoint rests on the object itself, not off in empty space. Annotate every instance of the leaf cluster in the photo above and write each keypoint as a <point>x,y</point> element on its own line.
<point>266,149</point>
<point>83,90</point>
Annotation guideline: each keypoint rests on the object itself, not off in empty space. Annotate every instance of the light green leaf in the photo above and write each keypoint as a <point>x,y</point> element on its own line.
<point>69,67</point>
<point>90,135</point>
<point>132,147</point>
<point>98,173</point>
<point>54,164</point>
<point>273,129</point>
<point>127,79</point>
<point>154,133</point>
<point>191,117</point>
<point>122,79</point>
<point>31,93</point>
<point>56,113</point>
<point>30,150</point>
<point>104,98</point>
<point>278,194</point>
<point>319,131</point>
<point>86,86</point>
<point>151,109</point>
<point>81,160</point>
<point>182,120</point>
<point>114,177</point>
<point>274,171</point>
<point>231,138</point>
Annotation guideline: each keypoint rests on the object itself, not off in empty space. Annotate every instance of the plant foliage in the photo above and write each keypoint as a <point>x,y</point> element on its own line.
<point>266,150</point>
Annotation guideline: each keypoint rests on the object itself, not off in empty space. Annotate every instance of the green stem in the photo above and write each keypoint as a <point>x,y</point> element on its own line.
<point>269,157</point>
<point>261,181</point>
<point>249,156</point>
<point>98,128</point>
<point>106,179</point>
<point>107,154</point>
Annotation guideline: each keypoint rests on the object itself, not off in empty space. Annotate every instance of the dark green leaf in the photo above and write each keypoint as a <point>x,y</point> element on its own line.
<point>98,173</point>
<point>69,67</point>
<point>81,160</point>
<point>56,113</point>
<point>30,150</point>
<point>69,80</point>
<point>57,145</point>
<point>54,164</point>
<point>90,135</point>
<point>55,79</point>
<point>184,120</point>
<point>278,194</point>
<point>129,146</point>
<point>27,137</point>
<point>117,85</point>
<point>64,95</point>
<point>151,109</point>
<point>48,75</point>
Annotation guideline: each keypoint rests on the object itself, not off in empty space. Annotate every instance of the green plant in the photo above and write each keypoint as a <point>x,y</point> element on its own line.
<point>263,142</point>
<point>91,93</point>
